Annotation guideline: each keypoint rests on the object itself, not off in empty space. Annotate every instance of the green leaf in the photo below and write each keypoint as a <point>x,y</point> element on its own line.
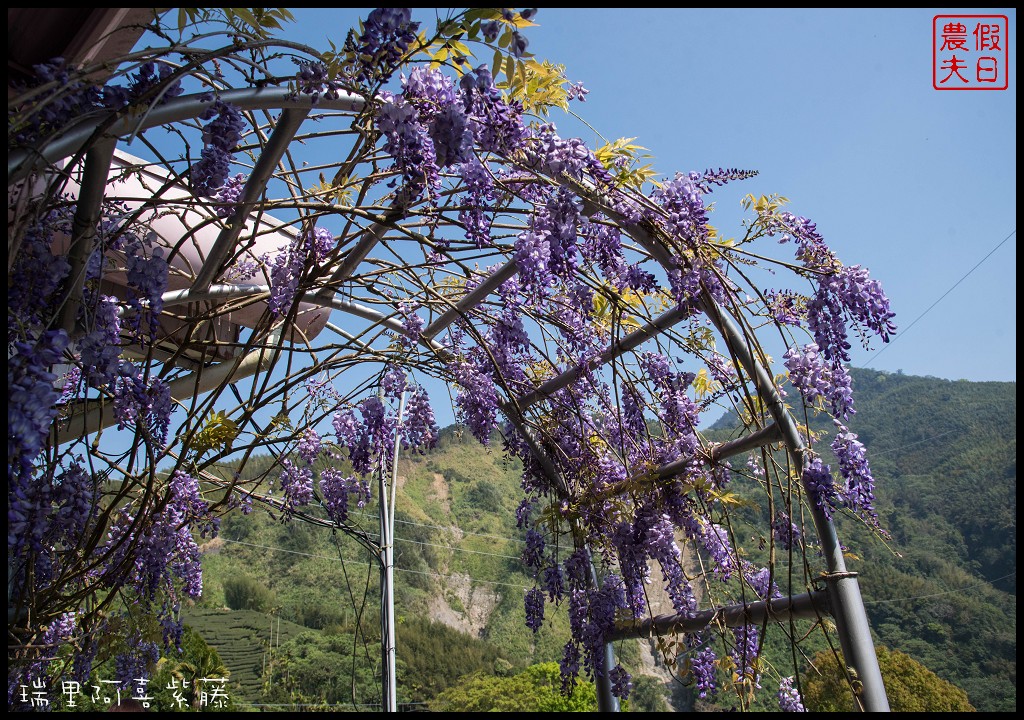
<point>496,64</point>
<point>219,432</point>
<point>246,16</point>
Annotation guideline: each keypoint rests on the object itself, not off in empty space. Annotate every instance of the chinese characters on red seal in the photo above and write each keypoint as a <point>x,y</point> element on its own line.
<point>970,52</point>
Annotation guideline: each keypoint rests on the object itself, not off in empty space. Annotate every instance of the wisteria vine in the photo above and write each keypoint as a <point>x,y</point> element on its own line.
<point>468,168</point>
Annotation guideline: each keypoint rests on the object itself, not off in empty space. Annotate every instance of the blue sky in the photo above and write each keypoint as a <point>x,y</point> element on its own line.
<point>836,110</point>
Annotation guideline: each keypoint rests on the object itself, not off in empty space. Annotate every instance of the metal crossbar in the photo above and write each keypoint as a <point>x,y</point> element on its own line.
<point>842,595</point>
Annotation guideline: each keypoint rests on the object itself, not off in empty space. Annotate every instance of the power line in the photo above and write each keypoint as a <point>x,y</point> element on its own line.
<point>875,454</point>
<point>376,536</point>
<point>904,331</point>
<point>362,564</point>
<point>448,528</point>
<point>990,583</point>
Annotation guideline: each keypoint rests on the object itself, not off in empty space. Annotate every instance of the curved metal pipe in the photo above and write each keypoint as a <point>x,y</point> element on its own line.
<point>21,162</point>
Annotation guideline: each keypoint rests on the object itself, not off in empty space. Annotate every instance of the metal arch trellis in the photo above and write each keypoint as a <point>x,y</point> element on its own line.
<point>357,285</point>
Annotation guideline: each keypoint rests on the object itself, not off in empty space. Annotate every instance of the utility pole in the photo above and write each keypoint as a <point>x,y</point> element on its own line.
<point>386,503</point>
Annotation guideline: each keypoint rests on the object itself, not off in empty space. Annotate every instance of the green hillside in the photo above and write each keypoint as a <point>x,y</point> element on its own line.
<point>944,455</point>
<point>245,641</point>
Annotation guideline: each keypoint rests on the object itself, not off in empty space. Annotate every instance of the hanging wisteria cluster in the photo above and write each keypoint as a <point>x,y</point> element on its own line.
<point>449,166</point>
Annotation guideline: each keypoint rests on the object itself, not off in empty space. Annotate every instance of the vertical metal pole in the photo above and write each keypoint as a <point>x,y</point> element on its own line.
<point>606,701</point>
<point>845,601</point>
<point>386,502</point>
<point>847,605</point>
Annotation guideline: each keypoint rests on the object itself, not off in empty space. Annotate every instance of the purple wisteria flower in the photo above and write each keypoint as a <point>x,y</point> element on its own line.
<point>814,378</point>
<point>227,196</point>
<point>150,77</point>
<point>746,654</point>
<point>787,308</point>
<point>703,668</point>
<point>452,136</point>
<point>480,193</point>
<point>716,541</point>
<point>622,682</point>
<point>297,484</point>
<point>576,91</point>
<point>683,203</point>
<point>817,478</point>
<point>220,138</point>
<point>340,492</point>
<point>393,382</point>
<point>848,293</point>
<point>811,248</point>
<point>37,273</point>
<point>497,125</point>
<point>761,582</point>
<point>143,403</point>
<point>720,177</point>
<point>553,582</point>
<point>164,553</point>
<point>100,349</point>
<point>371,442</point>
<point>31,401</point>
<point>789,696</point>
<point>533,553</point>
<point>71,98</point>
<point>660,539</point>
<point>310,445</point>
<point>287,267</point>
<point>555,156</point>
<point>387,35</point>
<point>476,404</point>
<point>409,142</point>
<point>137,661</point>
<point>419,429</point>
<point>785,530</point>
<point>428,90</point>
<point>313,79</point>
<point>534,609</point>
<point>147,279</point>
<point>857,492</point>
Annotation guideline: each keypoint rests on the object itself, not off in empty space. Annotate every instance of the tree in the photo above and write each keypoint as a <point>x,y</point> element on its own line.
<point>911,686</point>
<point>186,298</point>
<point>536,689</point>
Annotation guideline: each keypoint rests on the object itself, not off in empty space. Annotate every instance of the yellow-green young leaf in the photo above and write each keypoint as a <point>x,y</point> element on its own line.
<point>703,385</point>
<point>218,432</point>
<point>733,499</point>
<point>460,48</point>
<point>484,14</point>
<point>521,22</point>
<point>620,159</point>
<point>281,421</point>
<point>496,64</point>
<point>449,28</point>
<point>537,86</point>
<point>247,17</point>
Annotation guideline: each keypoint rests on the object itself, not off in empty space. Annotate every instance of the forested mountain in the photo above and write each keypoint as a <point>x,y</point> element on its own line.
<point>944,455</point>
<point>943,590</point>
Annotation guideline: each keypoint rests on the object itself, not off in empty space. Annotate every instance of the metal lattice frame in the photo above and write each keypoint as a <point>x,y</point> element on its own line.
<point>209,294</point>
